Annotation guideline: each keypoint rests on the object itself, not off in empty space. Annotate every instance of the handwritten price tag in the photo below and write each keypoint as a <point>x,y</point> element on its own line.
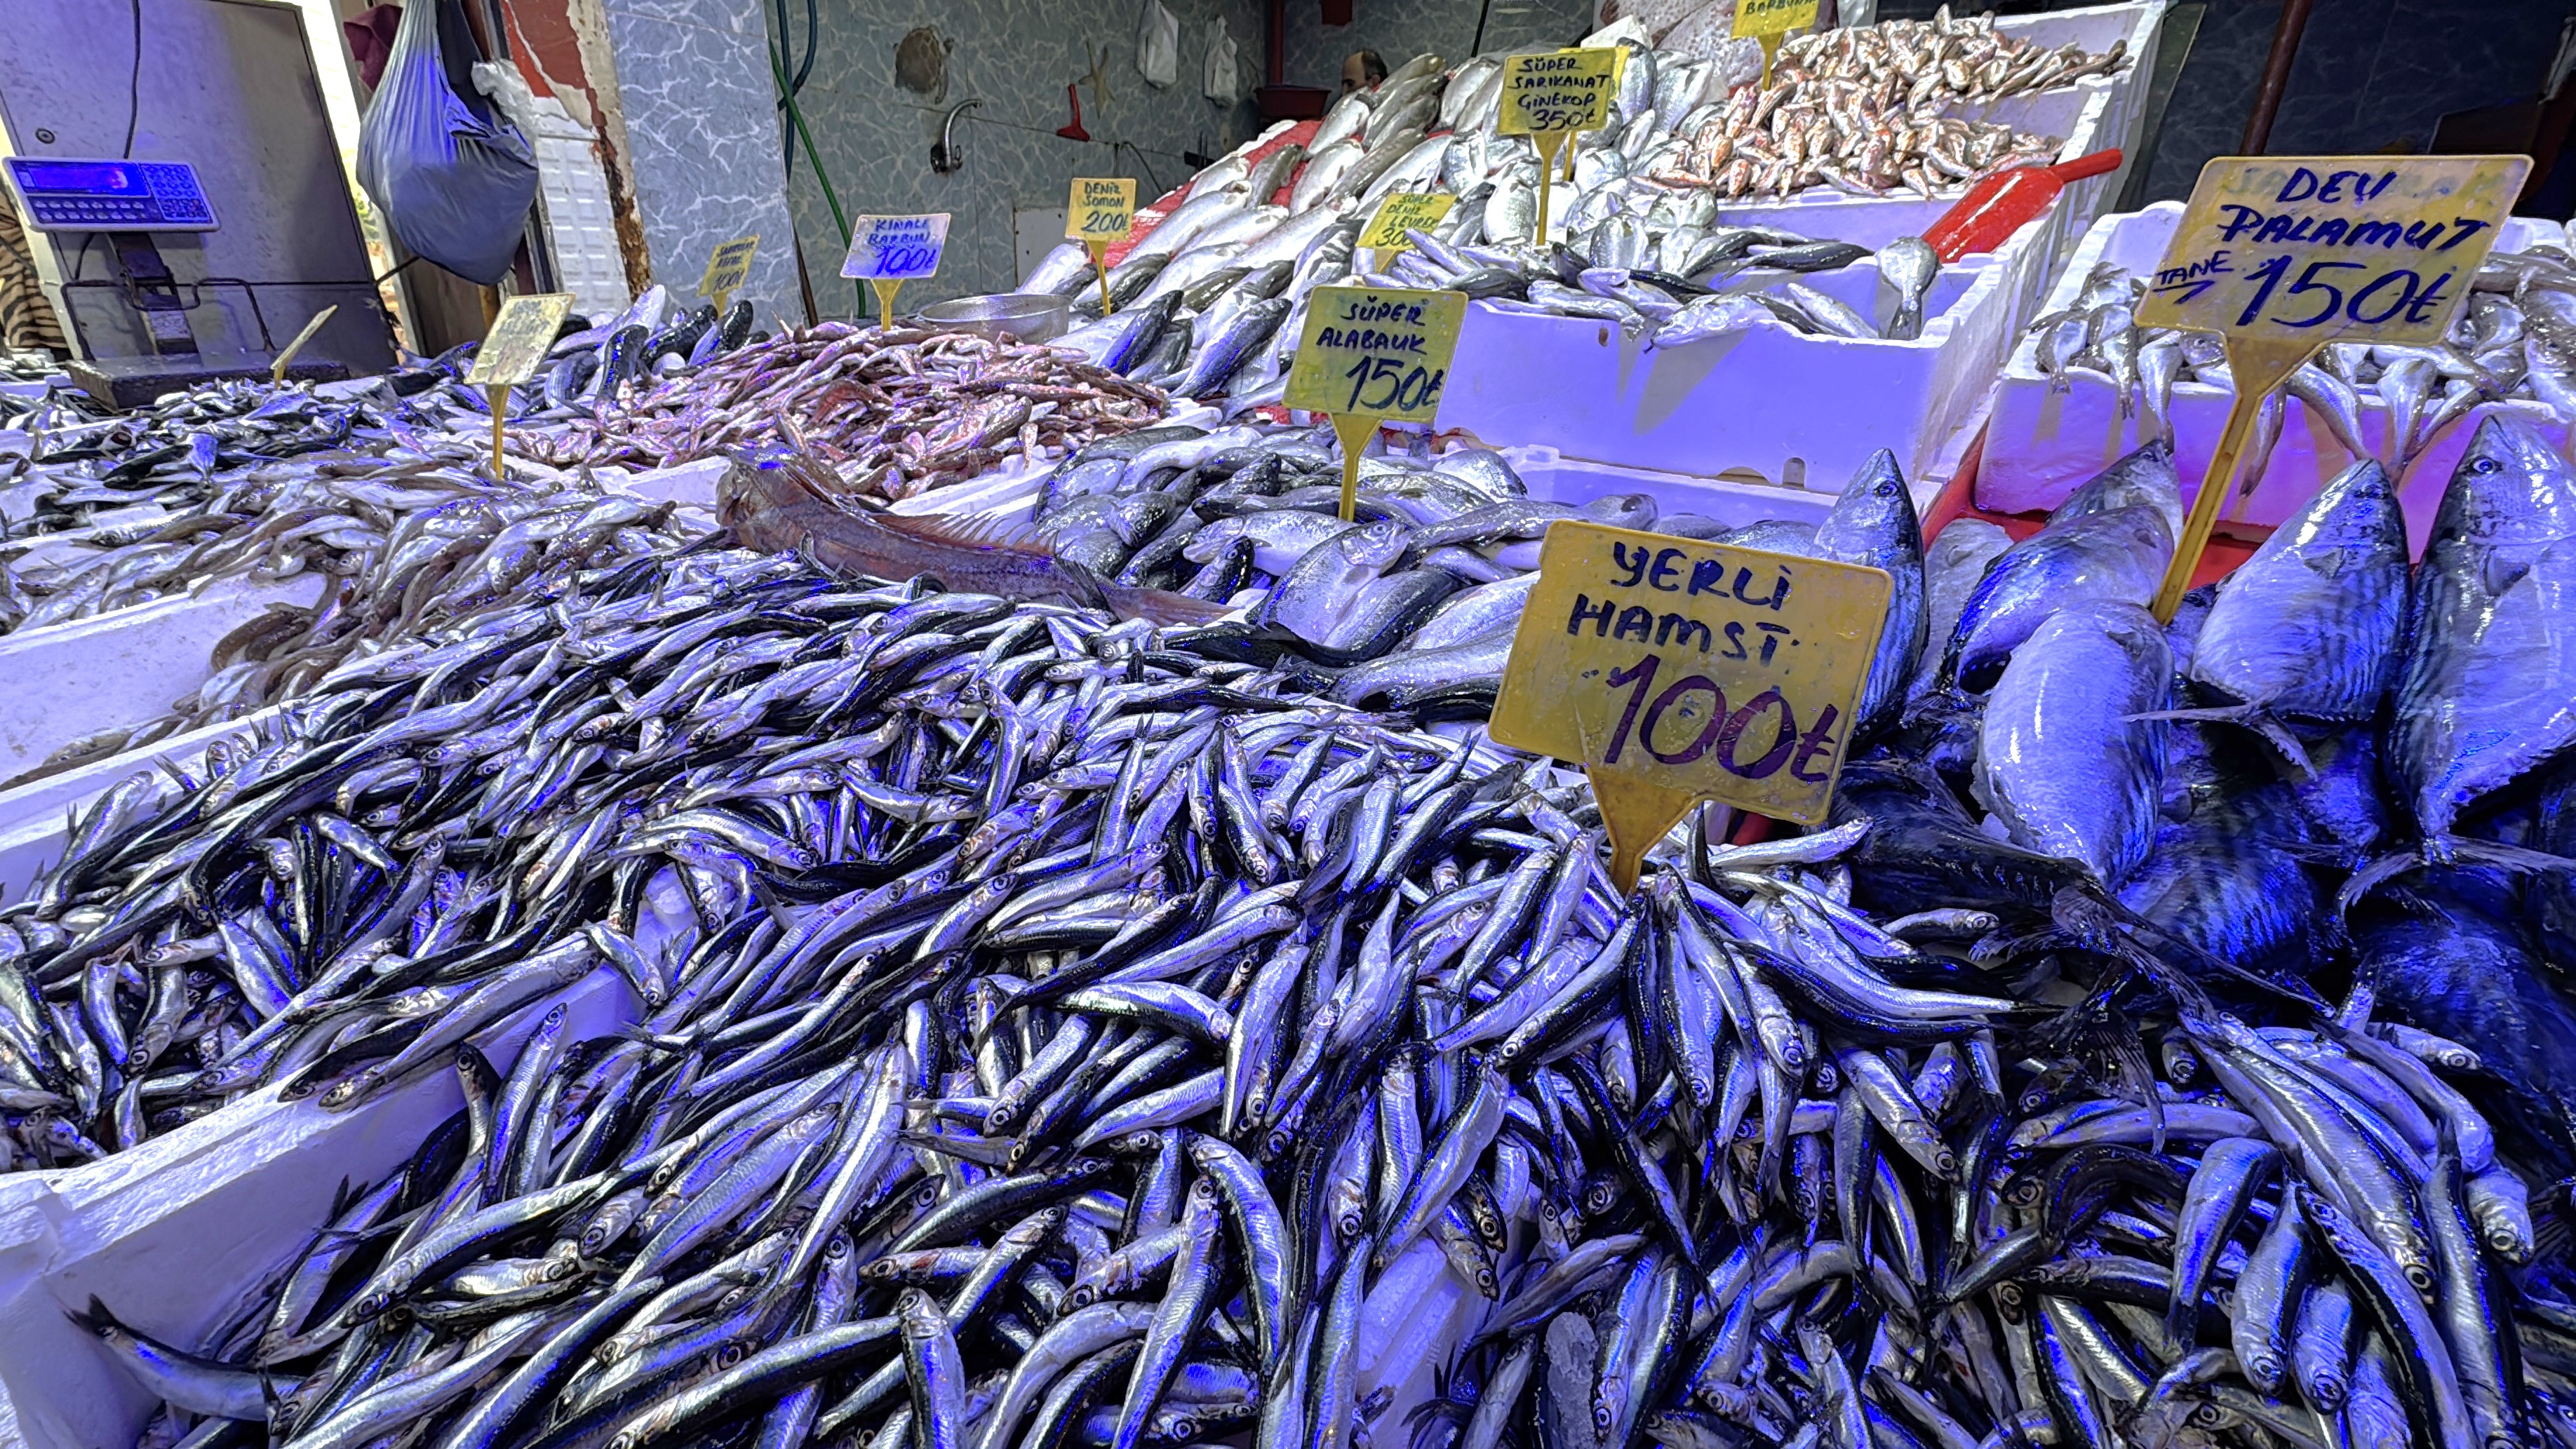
<point>1773,17</point>
<point>1404,211</point>
<point>1367,354</point>
<point>519,339</point>
<point>2310,248</point>
<point>896,248</point>
<point>1381,352</point>
<point>727,267</point>
<point>1101,209</point>
<point>1676,671</point>
<point>1559,90</point>
<point>2284,254</point>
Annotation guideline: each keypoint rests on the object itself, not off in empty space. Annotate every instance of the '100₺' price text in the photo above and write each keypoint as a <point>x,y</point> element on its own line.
<point>1689,718</point>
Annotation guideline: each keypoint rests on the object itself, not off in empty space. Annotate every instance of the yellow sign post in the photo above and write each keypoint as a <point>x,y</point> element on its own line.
<point>1768,21</point>
<point>1550,95</point>
<point>1370,354</point>
<point>286,357</point>
<point>889,251</point>
<point>2284,254</point>
<point>513,347</point>
<point>1101,210</point>
<point>1402,212</point>
<point>727,266</point>
<point>1675,671</point>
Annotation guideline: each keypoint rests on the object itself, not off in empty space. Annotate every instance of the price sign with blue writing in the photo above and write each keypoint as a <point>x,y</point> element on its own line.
<point>896,248</point>
<point>1100,209</point>
<point>2313,248</point>
<point>1676,671</point>
<point>1367,354</point>
<point>1559,91</point>
<point>2284,254</point>
<point>1379,352</point>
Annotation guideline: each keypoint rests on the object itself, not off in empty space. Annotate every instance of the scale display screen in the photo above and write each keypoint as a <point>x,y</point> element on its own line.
<point>59,194</point>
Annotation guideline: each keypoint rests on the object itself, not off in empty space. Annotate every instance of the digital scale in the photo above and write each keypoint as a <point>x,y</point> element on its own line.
<point>62,194</point>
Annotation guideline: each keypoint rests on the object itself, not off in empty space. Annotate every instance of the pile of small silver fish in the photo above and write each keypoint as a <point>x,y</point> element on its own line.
<point>1048,1034</point>
<point>2516,339</point>
<point>898,412</point>
<point>1412,601</point>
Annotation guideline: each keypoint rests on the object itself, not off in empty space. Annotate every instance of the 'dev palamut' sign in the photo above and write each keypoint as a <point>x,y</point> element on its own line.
<point>1676,670</point>
<point>2300,248</point>
<point>2280,255</point>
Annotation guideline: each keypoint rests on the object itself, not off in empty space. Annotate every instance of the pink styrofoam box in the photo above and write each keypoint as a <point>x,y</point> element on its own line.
<point>1753,399</point>
<point>122,668</point>
<point>1556,478</point>
<point>2045,440</point>
<point>178,1235</point>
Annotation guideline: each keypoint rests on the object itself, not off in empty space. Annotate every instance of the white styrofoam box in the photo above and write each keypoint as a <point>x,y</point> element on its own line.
<point>581,229</point>
<point>1556,478</point>
<point>32,816</point>
<point>123,667</point>
<point>1752,400</point>
<point>177,1235</point>
<point>2045,439</point>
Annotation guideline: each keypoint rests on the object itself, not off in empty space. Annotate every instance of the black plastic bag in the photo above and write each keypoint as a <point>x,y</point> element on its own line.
<point>453,177</point>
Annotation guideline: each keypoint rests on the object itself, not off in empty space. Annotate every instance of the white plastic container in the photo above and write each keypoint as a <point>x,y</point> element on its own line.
<point>1556,478</point>
<point>176,1236</point>
<point>1755,400</point>
<point>121,668</point>
<point>2044,440</point>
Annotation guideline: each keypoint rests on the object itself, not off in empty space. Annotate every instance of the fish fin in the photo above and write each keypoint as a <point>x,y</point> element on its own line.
<point>2247,716</point>
<point>2500,574</point>
<point>959,532</point>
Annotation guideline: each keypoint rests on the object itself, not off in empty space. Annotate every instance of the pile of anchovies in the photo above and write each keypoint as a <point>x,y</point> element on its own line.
<point>1045,1035</point>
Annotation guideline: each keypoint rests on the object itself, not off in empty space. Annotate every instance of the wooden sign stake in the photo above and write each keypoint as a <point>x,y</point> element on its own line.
<point>2258,365</point>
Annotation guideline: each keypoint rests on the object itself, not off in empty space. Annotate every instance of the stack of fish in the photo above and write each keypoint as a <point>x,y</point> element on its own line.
<point>1209,301</point>
<point>898,411</point>
<point>1411,602</point>
<point>2516,339</point>
<point>1053,1036</point>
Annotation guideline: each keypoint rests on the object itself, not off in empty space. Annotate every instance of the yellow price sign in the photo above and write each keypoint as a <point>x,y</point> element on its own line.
<point>1767,21</point>
<point>513,347</point>
<point>2284,254</point>
<point>727,266</point>
<point>1401,212</point>
<point>1368,354</point>
<point>1676,671</point>
<point>1549,95</point>
<point>1101,210</point>
<point>1561,91</point>
<point>519,339</point>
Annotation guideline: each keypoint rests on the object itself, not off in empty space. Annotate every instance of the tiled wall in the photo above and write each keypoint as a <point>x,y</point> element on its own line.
<point>702,136</point>
<point>1016,57</point>
<point>1399,30</point>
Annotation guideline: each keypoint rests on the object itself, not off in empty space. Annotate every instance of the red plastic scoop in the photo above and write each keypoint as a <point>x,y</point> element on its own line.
<point>1996,207</point>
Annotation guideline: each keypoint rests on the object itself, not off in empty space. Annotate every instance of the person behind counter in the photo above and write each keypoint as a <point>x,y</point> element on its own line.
<point>1361,70</point>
